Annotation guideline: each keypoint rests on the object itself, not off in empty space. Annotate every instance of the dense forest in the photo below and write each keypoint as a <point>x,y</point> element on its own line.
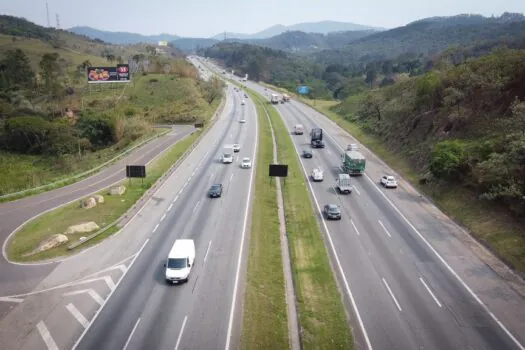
<point>459,125</point>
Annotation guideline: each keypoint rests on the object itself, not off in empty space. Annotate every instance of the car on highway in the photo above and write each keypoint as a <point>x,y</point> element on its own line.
<point>245,95</point>
<point>352,147</point>
<point>317,175</point>
<point>307,153</point>
<point>236,147</point>
<point>388,181</point>
<point>242,121</point>
<point>332,212</point>
<point>246,163</point>
<point>215,191</point>
<point>180,260</point>
<point>243,103</point>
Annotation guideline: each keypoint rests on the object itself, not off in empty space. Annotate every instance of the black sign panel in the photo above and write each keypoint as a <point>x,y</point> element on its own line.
<point>118,74</point>
<point>136,171</point>
<point>199,125</point>
<point>278,170</point>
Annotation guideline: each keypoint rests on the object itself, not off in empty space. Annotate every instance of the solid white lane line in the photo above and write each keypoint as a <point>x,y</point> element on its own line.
<point>430,292</point>
<point>196,205</point>
<point>77,315</point>
<point>163,217</point>
<point>356,190</point>
<point>243,234</point>
<point>207,251</point>
<point>384,229</point>
<point>91,292</point>
<point>181,330</point>
<point>109,297</point>
<point>391,294</point>
<point>46,336</point>
<point>155,228</point>
<point>175,199</point>
<point>355,228</point>
<point>171,206</point>
<point>131,334</point>
<point>231,177</point>
<point>11,300</point>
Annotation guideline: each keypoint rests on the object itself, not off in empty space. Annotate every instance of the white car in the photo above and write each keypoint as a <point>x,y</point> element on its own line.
<point>317,175</point>
<point>236,147</point>
<point>246,163</point>
<point>388,181</point>
<point>243,103</point>
<point>242,121</point>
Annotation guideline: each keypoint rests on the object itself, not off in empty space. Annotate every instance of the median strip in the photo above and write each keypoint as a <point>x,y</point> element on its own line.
<point>107,215</point>
<point>321,312</point>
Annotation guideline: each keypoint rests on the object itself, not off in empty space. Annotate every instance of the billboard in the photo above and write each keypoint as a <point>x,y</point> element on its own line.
<point>278,170</point>
<point>163,43</point>
<point>303,90</point>
<point>118,74</point>
<point>136,171</point>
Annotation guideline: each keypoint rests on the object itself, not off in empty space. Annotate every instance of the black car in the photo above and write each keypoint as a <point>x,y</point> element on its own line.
<point>332,212</point>
<point>318,144</point>
<point>307,154</point>
<point>215,191</point>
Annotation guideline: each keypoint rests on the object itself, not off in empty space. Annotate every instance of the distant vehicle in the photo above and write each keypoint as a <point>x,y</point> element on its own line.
<point>281,101</point>
<point>227,155</point>
<point>388,181</point>
<point>245,95</point>
<point>215,191</point>
<point>316,138</point>
<point>274,99</point>
<point>317,175</point>
<point>352,147</point>
<point>246,163</point>
<point>343,184</point>
<point>236,147</point>
<point>307,154</point>
<point>332,212</point>
<point>243,103</point>
<point>180,260</point>
<point>353,163</point>
<point>286,98</point>
<point>298,129</point>
<point>242,121</point>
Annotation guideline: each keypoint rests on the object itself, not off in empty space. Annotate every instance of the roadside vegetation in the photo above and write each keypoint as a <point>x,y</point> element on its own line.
<point>53,125</point>
<point>104,214</point>
<point>265,322</point>
<point>322,319</point>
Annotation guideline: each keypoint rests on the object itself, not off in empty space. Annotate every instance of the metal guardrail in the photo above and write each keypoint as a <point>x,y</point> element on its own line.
<point>14,194</point>
<point>163,177</point>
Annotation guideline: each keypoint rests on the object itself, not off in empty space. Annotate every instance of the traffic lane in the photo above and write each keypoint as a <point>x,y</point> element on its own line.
<point>114,318</point>
<point>459,255</point>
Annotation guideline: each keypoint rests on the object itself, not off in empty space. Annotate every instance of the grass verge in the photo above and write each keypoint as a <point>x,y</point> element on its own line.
<point>321,312</point>
<point>493,227</point>
<point>57,221</point>
<point>265,323</point>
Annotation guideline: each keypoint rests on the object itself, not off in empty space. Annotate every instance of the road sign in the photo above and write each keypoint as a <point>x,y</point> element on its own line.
<point>303,90</point>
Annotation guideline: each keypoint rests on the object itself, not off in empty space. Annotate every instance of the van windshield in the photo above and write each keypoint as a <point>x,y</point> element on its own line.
<point>179,263</point>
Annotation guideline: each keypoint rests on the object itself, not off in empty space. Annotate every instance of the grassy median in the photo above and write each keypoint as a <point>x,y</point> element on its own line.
<point>321,311</point>
<point>265,323</point>
<point>57,221</point>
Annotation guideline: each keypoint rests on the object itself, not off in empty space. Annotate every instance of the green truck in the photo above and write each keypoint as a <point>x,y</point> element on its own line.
<point>353,163</point>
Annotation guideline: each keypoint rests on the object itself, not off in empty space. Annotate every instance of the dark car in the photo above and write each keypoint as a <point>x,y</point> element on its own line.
<point>332,212</point>
<point>307,154</point>
<point>215,191</point>
<point>318,144</point>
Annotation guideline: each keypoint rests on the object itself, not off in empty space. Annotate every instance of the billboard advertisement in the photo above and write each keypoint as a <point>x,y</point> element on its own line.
<point>163,43</point>
<point>118,74</point>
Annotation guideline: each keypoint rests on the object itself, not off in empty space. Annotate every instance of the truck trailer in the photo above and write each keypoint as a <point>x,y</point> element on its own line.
<point>316,138</point>
<point>353,163</point>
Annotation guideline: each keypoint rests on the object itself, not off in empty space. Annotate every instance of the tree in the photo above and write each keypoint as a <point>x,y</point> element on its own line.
<point>15,71</point>
<point>453,97</point>
<point>371,76</point>
<point>448,159</point>
<point>50,70</point>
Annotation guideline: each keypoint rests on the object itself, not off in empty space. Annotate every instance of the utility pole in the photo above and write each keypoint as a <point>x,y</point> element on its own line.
<point>47,13</point>
<point>224,35</point>
<point>58,21</point>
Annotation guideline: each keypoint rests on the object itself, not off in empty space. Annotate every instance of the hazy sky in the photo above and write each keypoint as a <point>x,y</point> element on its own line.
<point>204,18</point>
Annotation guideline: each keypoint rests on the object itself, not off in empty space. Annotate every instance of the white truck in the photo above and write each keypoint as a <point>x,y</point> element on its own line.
<point>298,129</point>
<point>343,184</point>
<point>286,98</point>
<point>274,99</point>
<point>227,155</point>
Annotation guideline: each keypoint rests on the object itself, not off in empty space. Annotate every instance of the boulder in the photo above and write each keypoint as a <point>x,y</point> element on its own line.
<point>99,198</point>
<point>117,190</point>
<point>84,227</point>
<point>88,203</point>
<point>50,242</point>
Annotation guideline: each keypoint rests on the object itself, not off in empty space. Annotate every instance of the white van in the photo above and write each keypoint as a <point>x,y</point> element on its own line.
<point>180,261</point>
<point>298,129</point>
<point>343,184</point>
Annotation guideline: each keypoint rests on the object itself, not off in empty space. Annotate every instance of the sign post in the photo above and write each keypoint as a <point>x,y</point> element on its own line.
<point>136,171</point>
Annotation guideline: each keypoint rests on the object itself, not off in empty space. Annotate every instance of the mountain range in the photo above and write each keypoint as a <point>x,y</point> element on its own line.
<point>122,38</point>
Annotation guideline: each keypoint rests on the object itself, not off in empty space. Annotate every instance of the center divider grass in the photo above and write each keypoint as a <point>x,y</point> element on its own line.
<point>321,312</point>
<point>57,221</point>
<point>265,323</point>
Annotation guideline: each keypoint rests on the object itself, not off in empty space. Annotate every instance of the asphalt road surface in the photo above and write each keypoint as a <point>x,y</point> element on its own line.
<point>21,278</point>
<point>406,296</point>
<point>145,312</point>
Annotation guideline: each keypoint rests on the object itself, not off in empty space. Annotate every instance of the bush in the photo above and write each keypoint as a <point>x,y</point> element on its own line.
<point>448,159</point>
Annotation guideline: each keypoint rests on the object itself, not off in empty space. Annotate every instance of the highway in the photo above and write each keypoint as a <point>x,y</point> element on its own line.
<point>144,312</point>
<point>21,278</point>
<point>411,278</point>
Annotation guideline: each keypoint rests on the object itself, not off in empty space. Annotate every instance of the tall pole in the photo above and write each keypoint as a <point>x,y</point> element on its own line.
<point>47,13</point>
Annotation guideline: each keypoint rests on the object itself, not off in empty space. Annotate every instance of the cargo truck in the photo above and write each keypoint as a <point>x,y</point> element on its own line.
<point>275,99</point>
<point>316,138</point>
<point>286,98</point>
<point>353,163</point>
